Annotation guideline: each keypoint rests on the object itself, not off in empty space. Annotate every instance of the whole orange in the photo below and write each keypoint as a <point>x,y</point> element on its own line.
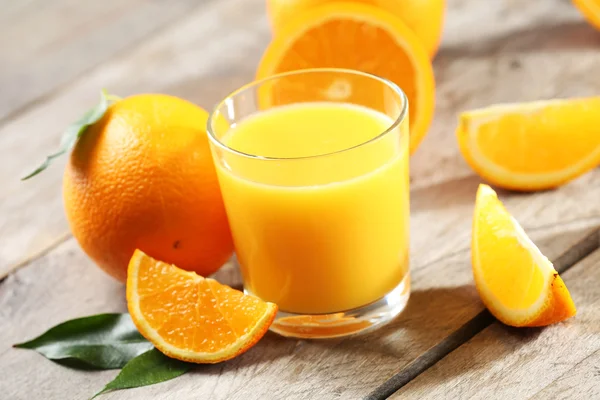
<point>424,17</point>
<point>143,177</point>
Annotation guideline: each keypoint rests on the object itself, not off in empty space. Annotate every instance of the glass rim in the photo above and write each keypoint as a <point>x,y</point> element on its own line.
<point>259,82</point>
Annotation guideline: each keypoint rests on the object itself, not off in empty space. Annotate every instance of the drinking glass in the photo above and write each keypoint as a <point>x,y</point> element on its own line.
<point>324,235</point>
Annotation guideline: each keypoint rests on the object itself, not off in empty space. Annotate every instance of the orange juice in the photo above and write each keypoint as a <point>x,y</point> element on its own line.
<point>320,218</point>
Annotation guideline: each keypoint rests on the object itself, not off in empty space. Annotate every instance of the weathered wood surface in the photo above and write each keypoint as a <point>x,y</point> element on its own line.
<point>186,59</point>
<point>557,362</point>
<point>505,51</point>
<point>45,45</point>
<point>64,284</point>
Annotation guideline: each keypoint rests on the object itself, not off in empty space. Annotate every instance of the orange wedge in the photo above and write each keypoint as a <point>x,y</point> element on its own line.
<point>191,318</point>
<point>590,10</point>
<point>532,146</point>
<point>515,281</point>
<point>360,37</point>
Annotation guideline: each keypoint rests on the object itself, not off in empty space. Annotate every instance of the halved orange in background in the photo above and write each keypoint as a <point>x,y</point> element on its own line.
<point>424,17</point>
<point>532,146</point>
<point>191,318</point>
<point>360,37</point>
<point>515,281</point>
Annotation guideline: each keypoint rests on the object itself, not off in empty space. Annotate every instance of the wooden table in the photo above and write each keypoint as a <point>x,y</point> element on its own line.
<point>56,55</point>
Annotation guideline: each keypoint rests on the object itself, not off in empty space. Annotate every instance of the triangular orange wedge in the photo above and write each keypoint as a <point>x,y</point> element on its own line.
<point>191,318</point>
<point>515,281</point>
<point>360,37</point>
<point>590,10</point>
<point>532,146</point>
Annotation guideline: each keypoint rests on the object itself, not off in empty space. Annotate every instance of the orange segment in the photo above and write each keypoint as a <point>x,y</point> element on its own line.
<point>532,146</point>
<point>424,17</point>
<point>191,318</point>
<point>359,37</point>
<point>590,10</point>
<point>515,281</point>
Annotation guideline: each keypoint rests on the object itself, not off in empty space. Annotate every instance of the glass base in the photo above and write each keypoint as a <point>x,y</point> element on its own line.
<point>351,322</point>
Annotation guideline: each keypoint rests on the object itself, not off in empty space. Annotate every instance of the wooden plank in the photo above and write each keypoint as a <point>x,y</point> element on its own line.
<point>474,326</point>
<point>508,363</point>
<point>187,61</point>
<point>64,284</point>
<point>582,381</point>
<point>40,297</point>
<point>46,44</point>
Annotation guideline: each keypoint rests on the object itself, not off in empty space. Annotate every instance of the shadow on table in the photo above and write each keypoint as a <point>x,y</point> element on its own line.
<point>359,364</point>
<point>430,316</point>
<point>436,197</point>
<point>543,37</point>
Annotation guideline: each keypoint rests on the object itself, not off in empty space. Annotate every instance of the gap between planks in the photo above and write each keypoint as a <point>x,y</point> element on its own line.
<point>13,268</point>
<point>477,324</point>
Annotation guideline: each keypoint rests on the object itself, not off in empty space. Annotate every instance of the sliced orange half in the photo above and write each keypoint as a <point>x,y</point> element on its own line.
<point>360,37</point>
<point>515,281</point>
<point>424,17</point>
<point>590,10</point>
<point>191,318</point>
<point>532,146</point>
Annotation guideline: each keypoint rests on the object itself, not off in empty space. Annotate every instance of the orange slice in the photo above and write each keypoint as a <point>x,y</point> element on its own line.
<point>360,37</point>
<point>191,318</point>
<point>532,146</point>
<point>590,10</point>
<point>515,281</point>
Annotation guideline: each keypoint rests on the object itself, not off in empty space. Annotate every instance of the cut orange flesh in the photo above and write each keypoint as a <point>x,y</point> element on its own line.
<point>191,318</point>
<point>532,146</point>
<point>424,17</point>
<point>359,37</point>
<point>515,281</point>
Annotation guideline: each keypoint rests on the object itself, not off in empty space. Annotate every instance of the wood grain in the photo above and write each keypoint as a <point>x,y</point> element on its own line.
<point>580,382</point>
<point>572,256</point>
<point>45,45</point>
<point>509,363</point>
<point>65,284</point>
<point>212,51</point>
<point>184,60</point>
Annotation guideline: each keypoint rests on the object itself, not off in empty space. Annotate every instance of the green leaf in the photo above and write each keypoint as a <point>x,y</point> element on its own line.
<point>104,341</point>
<point>147,369</point>
<point>76,130</point>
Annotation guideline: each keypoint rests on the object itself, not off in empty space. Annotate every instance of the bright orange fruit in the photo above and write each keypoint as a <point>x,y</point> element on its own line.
<point>590,10</point>
<point>424,17</point>
<point>191,318</point>
<point>532,146</point>
<point>360,37</point>
<point>143,177</point>
<point>515,281</point>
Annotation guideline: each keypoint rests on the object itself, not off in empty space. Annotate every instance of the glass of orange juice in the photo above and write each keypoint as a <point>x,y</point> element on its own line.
<point>313,169</point>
